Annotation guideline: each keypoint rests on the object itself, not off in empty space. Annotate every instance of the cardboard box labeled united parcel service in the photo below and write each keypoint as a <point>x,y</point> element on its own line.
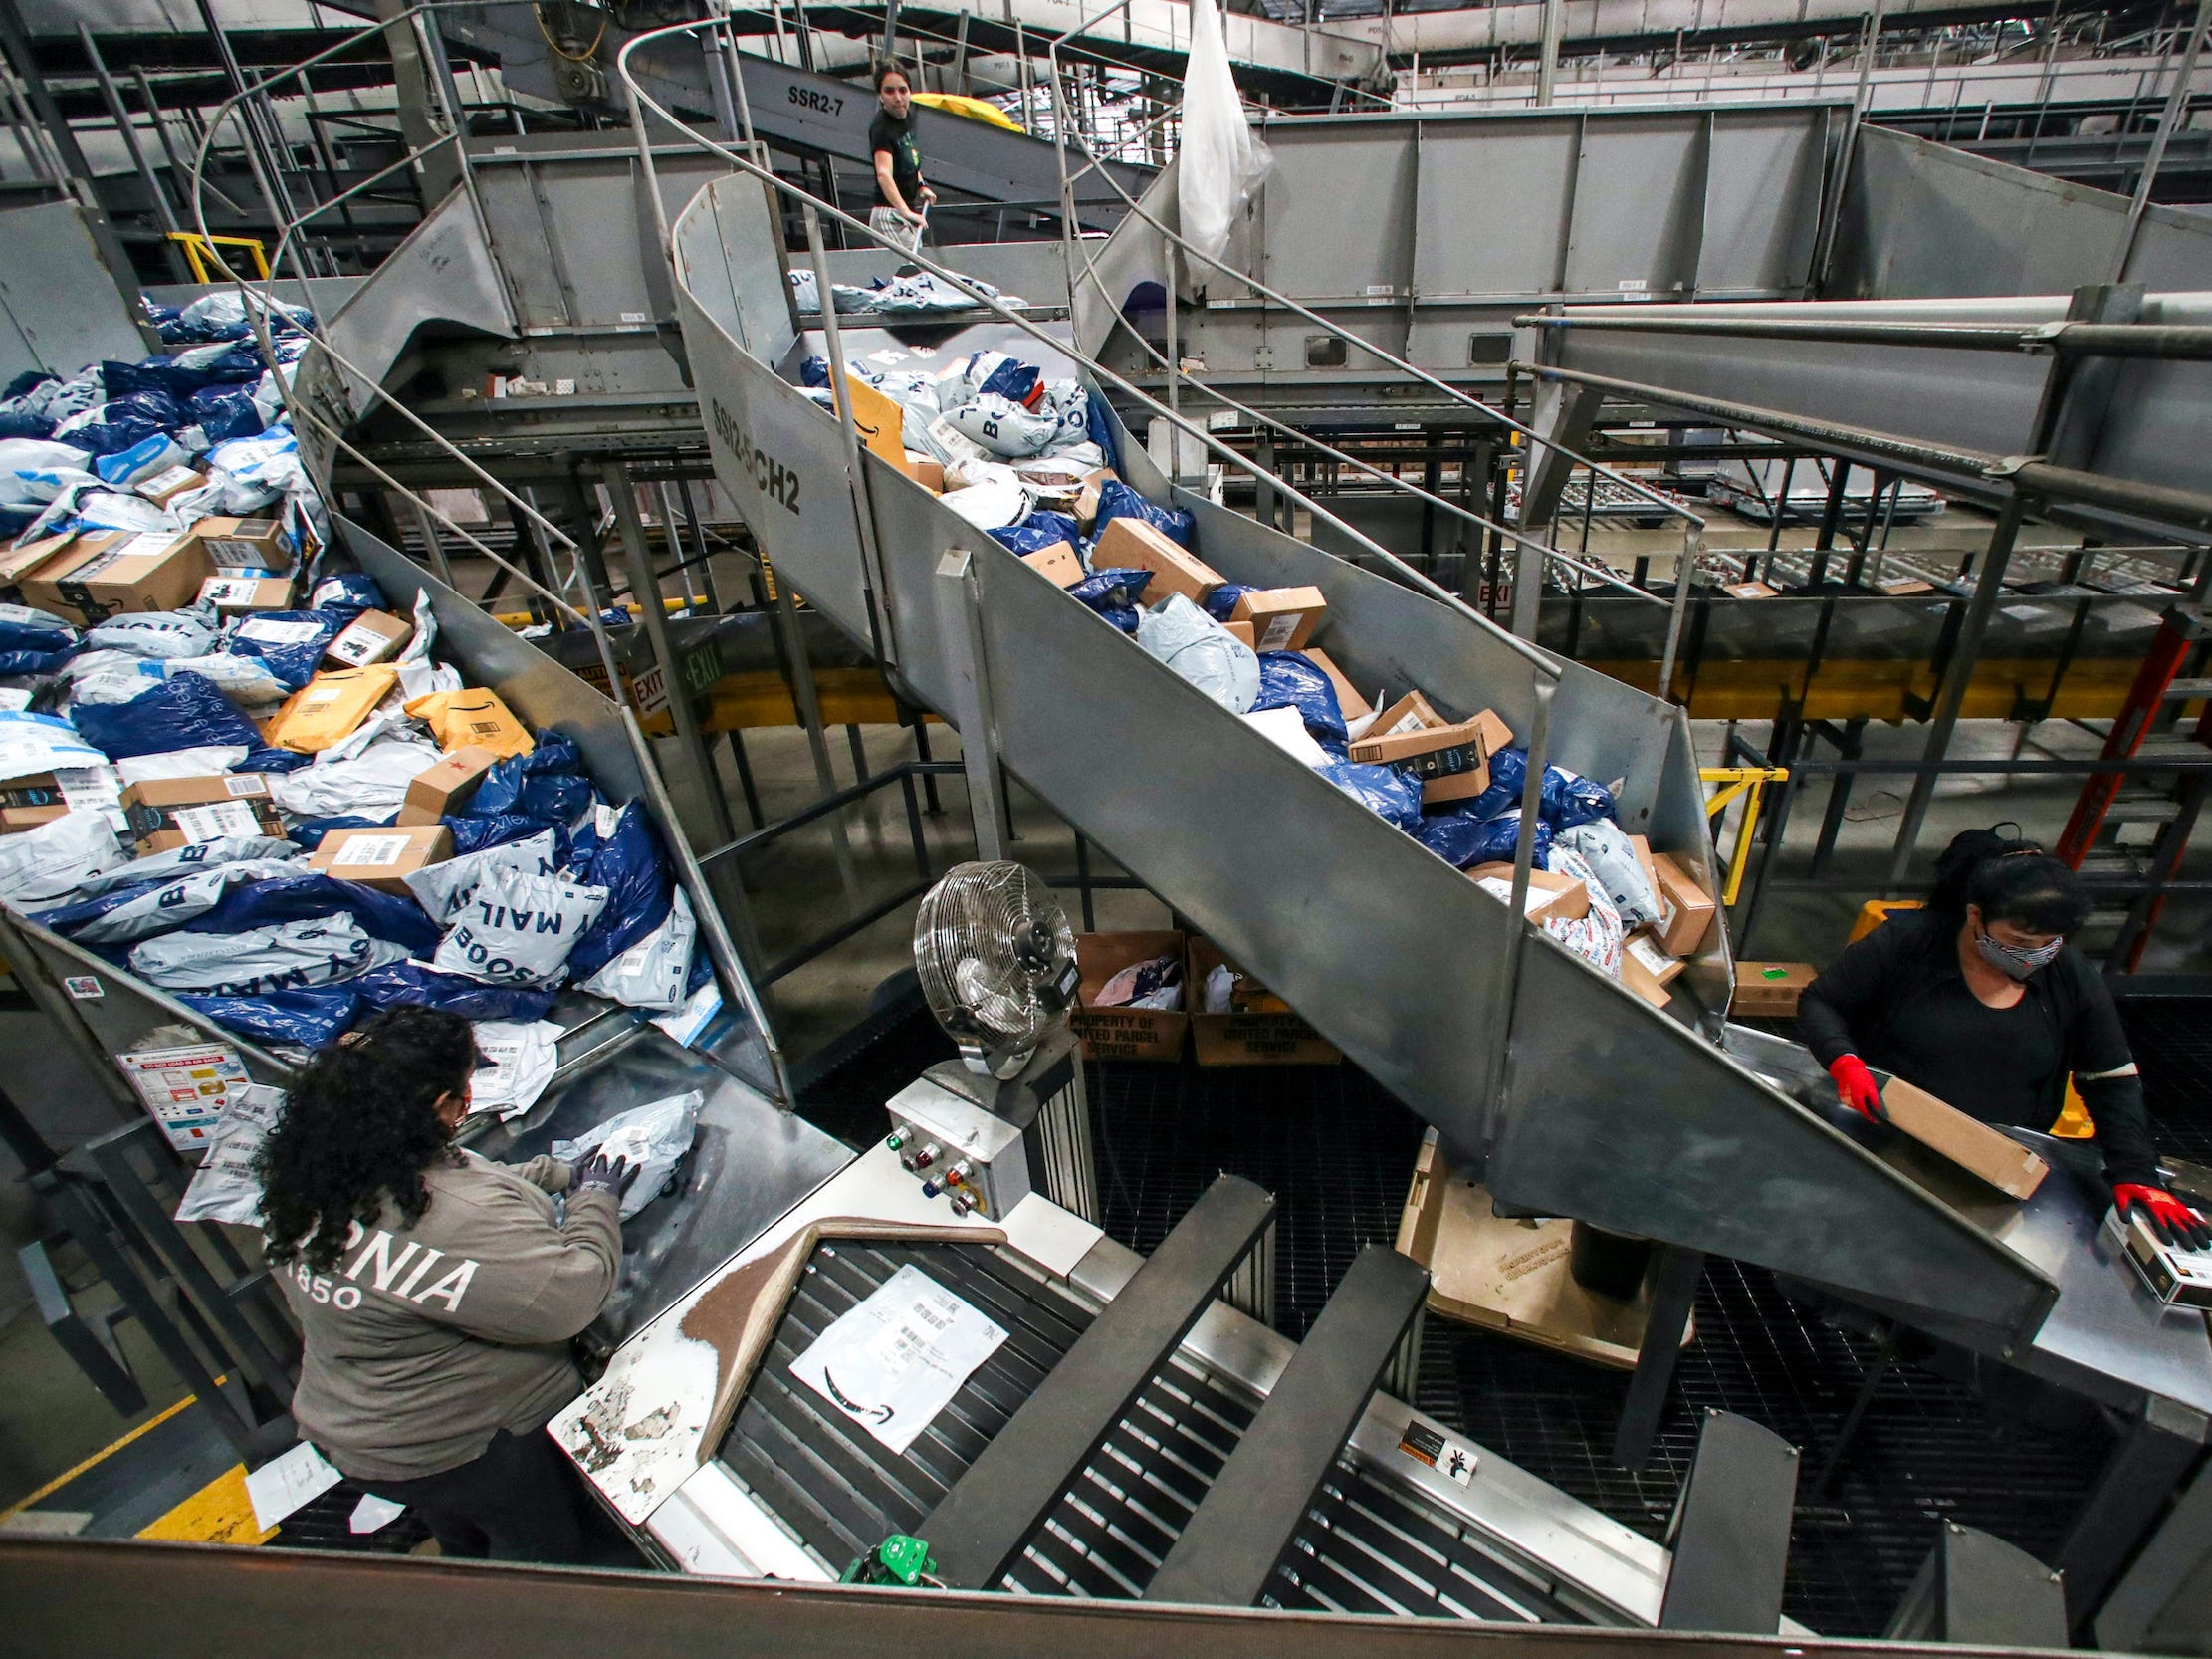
<point>1126,1032</point>
<point>1259,1028</point>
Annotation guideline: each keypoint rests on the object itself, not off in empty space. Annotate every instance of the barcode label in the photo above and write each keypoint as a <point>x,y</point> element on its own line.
<point>372,851</point>
<point>1277,636</point>
<point>211,822</point>
<point>266,630</point>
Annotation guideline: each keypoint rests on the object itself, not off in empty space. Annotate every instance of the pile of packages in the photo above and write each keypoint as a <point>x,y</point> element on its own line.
<point>243,774</point>
<point>916,295</point>
<point>1454,785</point>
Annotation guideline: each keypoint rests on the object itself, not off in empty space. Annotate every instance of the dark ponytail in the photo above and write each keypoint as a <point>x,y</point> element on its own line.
<point>2011,879</point>
<point>360,1123</point>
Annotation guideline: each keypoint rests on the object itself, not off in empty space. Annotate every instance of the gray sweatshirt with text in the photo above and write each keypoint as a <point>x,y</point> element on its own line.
<point>423,1341</point>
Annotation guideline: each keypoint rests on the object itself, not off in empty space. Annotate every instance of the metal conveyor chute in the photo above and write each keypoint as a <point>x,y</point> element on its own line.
<point>1608,1109</point>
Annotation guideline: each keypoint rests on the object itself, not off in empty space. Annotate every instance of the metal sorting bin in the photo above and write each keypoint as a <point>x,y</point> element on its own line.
<point>750,1153</point>
<point>1607,1108</point>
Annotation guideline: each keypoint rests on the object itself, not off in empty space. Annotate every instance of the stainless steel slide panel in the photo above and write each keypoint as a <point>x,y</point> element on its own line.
<point>1611,1110</point>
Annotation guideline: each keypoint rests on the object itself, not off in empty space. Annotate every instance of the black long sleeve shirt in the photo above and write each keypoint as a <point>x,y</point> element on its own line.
<point>1899,1000</point>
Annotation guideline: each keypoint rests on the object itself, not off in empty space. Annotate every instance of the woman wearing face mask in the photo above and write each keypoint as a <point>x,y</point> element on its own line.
<point>1979,999</point>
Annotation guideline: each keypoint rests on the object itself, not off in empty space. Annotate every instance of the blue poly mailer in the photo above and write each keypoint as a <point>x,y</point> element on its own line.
<point>185,711</point>
<point>309,894</point>
<point>1463,838</point>
<point>1388,793</point>
<point>411,982</point>
<point>1114,595</point>
<point>1289,680</point>
<point>632,864</point>
<point>1117,500</point>
<point>313,1017</point>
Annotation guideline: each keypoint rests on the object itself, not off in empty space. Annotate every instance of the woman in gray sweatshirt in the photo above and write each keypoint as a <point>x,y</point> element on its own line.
<point>436,1292</point>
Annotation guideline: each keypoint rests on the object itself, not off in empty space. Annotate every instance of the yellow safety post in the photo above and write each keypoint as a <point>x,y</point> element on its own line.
<point>1748,781</point>
<point>199,250</point>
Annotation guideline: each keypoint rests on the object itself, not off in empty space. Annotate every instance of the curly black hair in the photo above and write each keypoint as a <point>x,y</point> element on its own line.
<point>359,1125</point>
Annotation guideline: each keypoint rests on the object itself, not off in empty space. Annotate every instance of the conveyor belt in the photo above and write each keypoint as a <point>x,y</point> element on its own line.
<point>1365,1544</point>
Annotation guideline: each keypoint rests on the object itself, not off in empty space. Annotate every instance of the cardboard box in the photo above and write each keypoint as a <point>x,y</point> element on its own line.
<point>1348,698</point>
<point>1903,586</point>
<point>1750,590</point>
<point>14,820</point>
<point>19,561</point>
<point>1685,909</point>
<point>1645,983</point>
<point>1284,618</point>
<point>1130,543</point>
<point>2174,1273</point>
<point>1513,1274</point>
<point>437,790</point>
<point>926,470</point>
<point>1497,734</point>
<point>1258,1030</point>
<point>1449,761</point>
<point>1652,958</point>
<point>244,544</point>
<point>381,858</point>
<point>169,483</point>
<point>1086,499</point>
<point>1056,563</point>
<point>99,576</point>
<point>1769,990</point>
<point>165,813</point>
<point>372,636</point>
<point>1990,1155</point>
<point>236,595</point>
<point>1410,713</point>
<point>1551,898</point>
<point>1242,631</point>
<point>1125,1033</point>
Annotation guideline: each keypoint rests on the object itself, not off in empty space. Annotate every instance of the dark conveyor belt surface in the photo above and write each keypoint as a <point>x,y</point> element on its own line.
<point>1338,1152</point>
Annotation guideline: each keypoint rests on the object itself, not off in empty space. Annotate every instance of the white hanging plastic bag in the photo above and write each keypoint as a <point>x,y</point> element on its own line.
<point>518,929</point>
<point>1203,651</point>
<point>289,956</point>
<point>1220,162</point>
<point>651,973</point>
<point>46,864</point>
<point>652,1139</point>
<point>1285,728</point>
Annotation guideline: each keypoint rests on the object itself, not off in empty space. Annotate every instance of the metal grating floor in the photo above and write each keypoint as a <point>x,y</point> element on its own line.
<point>1338,1152</point>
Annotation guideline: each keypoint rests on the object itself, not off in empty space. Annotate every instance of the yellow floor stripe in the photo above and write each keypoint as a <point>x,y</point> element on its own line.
<point>219,1513</point>
<point>69,1475</point>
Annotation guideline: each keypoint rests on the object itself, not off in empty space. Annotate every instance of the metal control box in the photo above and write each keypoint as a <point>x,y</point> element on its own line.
<point>973,1159</point>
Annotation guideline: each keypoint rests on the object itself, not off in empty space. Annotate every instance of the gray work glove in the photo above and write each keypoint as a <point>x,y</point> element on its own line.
<point>603,1174</point>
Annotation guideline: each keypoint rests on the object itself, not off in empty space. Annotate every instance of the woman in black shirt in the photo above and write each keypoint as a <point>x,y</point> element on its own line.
<point>1980,1001</point>
<point>901,196</point>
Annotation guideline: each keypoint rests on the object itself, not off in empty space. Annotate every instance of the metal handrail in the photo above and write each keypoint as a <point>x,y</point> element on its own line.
<point>257,309</point>
<point>1405,486</point>
<point>2174,342</point>
<point>1672,508</point>
<point>644,102</point>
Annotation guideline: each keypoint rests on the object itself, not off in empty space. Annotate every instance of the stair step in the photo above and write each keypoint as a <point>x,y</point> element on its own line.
<point>2108,861</point>
<point>2156,810</point>
<point>2186,691</point>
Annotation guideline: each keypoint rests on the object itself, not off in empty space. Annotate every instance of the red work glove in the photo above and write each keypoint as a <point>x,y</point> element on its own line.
<point>2167,1217</point>
<point>1854,1086</point>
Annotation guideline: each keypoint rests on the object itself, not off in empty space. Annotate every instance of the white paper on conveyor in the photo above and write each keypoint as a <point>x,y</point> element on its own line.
<point>897,1359</point>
